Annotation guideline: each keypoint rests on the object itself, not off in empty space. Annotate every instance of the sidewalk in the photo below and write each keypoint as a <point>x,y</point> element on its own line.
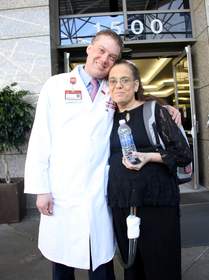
<point>20,258</point>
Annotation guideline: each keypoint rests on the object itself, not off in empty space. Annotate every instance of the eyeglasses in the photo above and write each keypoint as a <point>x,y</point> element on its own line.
<point>123,81</point>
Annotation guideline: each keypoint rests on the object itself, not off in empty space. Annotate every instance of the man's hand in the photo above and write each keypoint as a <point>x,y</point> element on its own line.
<point>44,203</point>
<point>175,114</point>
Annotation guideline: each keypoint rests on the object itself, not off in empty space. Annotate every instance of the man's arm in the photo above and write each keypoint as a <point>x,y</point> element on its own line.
<point>175,114</point>
<point>39,148</point>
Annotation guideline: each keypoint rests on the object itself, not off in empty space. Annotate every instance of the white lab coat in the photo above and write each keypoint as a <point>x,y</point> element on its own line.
<point>68,156</point>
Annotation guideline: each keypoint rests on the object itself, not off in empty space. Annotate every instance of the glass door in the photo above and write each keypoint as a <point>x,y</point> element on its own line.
<point>184,100</point>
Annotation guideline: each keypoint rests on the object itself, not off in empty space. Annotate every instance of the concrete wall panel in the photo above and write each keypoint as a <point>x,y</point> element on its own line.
<point>200,52</point>
<point>25,61</point>
<point>199,19</point>
<point>25,54</point>
<point>202,105</point>
<point>204,163</point>
<point>15,4</point>
<point>24,22</point>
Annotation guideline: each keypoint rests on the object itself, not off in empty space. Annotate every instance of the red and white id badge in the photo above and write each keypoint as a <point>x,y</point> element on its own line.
<point>73,96</point>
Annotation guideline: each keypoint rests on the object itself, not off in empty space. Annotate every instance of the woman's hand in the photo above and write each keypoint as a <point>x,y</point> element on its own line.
<point>143,157</point>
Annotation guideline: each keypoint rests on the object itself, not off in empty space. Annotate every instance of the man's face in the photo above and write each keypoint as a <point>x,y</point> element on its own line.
<point>101,55</point>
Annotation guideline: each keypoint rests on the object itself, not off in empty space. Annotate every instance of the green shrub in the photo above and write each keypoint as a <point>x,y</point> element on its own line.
<point>16,118</point>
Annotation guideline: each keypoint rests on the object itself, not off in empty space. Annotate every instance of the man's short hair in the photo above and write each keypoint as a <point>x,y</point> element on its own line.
<point>110,33</point>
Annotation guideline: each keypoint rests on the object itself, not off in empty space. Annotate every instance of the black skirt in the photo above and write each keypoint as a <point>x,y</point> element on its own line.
<point>159,247</point>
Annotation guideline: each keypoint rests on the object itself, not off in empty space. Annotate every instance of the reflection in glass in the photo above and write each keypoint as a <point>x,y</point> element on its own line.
<point>81,30</point>
<point>182,79</point>
<point>157,5</point>
<point>75,7</point>
<point>153,26</point>
<point>159,26</point>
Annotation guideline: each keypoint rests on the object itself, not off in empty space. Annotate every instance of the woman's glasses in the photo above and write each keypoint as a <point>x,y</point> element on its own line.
<point>125,81</point>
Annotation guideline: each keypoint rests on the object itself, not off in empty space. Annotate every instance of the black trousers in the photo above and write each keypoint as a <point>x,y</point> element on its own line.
<point>158,255</point>
<point>63,272</point>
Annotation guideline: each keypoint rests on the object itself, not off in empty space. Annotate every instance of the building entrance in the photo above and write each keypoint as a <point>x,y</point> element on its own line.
<point>169,78</point>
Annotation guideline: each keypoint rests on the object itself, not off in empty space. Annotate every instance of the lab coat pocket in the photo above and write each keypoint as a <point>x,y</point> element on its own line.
<point>106,175</point>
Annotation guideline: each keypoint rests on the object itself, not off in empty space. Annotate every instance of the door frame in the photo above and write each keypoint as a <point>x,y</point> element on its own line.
<point>187,53</point>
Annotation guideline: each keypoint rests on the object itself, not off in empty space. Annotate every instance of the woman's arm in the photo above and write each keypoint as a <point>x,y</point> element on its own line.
<point>177,152</point>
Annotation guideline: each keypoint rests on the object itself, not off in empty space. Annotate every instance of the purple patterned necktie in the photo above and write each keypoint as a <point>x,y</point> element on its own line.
<point>95,86</point>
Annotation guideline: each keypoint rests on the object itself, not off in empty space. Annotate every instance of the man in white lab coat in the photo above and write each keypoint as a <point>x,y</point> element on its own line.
<point>67,165</point>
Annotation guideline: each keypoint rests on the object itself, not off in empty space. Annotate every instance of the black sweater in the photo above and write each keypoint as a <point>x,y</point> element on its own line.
<point>156,183</point>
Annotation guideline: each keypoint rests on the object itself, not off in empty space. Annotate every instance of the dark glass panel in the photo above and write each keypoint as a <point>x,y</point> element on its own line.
<point>159,26</point>
<point>73,7</point>
<point>138,5</point>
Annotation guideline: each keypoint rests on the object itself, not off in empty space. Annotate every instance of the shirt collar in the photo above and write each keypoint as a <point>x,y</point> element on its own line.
<point>85,76</point>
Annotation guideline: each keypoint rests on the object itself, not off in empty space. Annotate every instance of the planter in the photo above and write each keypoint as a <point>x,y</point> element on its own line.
<point>12,201</point>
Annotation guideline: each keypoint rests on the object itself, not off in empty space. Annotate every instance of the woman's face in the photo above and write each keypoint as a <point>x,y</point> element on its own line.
<point>122,85</point>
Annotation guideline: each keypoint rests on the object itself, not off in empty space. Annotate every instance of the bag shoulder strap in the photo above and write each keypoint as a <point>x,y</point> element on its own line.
<point>150,124</point>
<point>149,120</point>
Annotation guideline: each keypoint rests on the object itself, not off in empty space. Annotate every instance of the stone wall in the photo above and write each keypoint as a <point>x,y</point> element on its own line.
<point>25,43</point>
<point>24,54</point>
<point>200,53</point>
